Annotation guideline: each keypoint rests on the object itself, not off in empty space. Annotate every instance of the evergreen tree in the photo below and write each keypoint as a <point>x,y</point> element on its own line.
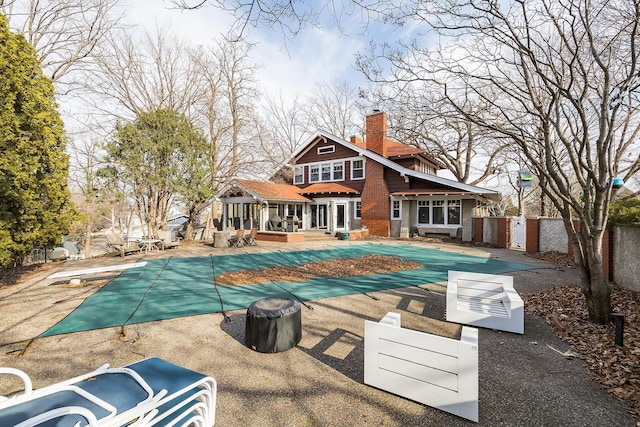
<point>158,156</point>
<point>34,197</point>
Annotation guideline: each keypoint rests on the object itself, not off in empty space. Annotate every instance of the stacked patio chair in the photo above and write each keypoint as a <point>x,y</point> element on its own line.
<point>250,239</point>
<point>237,241</point>
<point>151,392</point>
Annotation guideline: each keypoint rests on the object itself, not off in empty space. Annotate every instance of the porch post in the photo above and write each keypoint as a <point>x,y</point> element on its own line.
<point>224,216</point>
<point>264,217</point>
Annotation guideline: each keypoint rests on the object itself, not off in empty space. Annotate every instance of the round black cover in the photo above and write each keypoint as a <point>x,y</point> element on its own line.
<point>273,325</point>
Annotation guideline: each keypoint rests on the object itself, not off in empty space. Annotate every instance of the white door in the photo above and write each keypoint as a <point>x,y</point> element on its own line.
<point>518,232</point>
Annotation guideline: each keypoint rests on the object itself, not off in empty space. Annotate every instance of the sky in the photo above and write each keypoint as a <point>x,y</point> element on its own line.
<point>292,66</point>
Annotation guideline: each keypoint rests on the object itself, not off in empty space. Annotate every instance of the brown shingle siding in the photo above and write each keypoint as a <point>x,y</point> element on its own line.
<point>312,156</point>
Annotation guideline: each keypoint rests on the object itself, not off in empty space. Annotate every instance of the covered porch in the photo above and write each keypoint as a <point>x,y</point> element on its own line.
<point>268,207</point>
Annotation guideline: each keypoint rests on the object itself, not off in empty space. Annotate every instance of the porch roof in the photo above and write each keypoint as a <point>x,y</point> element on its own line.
<point>328,188</point>
<point>439,192</point>
<point>271,191</point>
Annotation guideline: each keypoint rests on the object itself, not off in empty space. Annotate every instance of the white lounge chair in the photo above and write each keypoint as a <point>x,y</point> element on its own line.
<point>436,371</point>
<point>485,300</point>
<point>145,393</point>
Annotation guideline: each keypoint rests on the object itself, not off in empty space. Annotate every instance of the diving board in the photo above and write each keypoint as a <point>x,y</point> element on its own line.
<point>87,271</point>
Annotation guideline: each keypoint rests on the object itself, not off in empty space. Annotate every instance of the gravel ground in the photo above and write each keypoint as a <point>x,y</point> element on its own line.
<point>523,379</point>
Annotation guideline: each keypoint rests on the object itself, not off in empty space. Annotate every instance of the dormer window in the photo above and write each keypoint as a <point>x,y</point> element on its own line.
<point>327,149</point>
<point>426,168</point>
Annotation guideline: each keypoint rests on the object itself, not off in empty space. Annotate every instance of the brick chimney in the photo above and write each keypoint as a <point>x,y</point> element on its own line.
<point>356,140</point>
<point>376,132</point>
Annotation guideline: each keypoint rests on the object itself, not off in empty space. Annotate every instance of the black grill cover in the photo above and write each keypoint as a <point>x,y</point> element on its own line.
<point>273,325</point>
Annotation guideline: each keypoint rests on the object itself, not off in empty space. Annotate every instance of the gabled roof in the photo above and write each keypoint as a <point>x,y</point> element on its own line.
<point>268,190</point>
<point>465,188</point>
<point>328,188</point>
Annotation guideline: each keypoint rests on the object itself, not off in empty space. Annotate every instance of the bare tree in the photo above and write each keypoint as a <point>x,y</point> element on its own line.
<point>333,107</point>
<point>67,35</point>
<point>290,17</point>
<point>154,71</point>
<point>424,118</point>
<point>236,71</point>
<point>83,174</point>
<point>561,81</point>
<point>286,125</point>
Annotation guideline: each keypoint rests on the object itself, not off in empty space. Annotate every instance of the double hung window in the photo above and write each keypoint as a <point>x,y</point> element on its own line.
<point>396,209</point>
<point>326,172</point>
<point>357,169</point>
<point>298,175</point>
<point>314,173</point>
<point>439,212</point>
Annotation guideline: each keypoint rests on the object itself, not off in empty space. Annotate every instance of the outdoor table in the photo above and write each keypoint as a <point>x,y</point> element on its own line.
<point>273,325</point>
<point>149,244</point>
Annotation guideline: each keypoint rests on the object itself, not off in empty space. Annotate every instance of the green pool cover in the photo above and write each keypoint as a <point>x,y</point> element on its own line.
<point>179,287</point>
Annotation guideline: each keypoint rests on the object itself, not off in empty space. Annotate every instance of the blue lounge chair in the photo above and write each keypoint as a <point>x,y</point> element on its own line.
<point>146,393</point>
<point>182,385</point>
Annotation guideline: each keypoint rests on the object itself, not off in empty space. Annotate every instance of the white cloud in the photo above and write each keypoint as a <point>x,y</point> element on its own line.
<point>201,26</point>
<point>315,55</point>
<point>294,66</point>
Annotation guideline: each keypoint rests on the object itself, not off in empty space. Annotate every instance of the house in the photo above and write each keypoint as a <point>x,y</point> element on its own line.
<point>337,185</point>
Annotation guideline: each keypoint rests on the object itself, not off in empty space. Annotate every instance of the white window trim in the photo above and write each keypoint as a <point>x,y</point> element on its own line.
<point>332,170</point>
<point>355,209</point>
<point>352,169</point>
<point>315,165</point>
<point>399,209</point>
<point>326,149</point>
<point>295,175</point>
<point>446,211</point>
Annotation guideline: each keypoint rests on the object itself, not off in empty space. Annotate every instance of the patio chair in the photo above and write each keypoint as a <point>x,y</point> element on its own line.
<point>146,393</point>
<point>117,242</point>
<point>166,240</point>
<point>250,240</point>
<point>237,241</point>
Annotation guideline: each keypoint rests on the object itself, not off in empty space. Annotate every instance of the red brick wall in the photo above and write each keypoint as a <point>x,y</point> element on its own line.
<point>533,235</point>
<point>607,250</point>
<point>376,206</point>
<point>477,229</point>
<point>504,230</point>
<point>357,141</point>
